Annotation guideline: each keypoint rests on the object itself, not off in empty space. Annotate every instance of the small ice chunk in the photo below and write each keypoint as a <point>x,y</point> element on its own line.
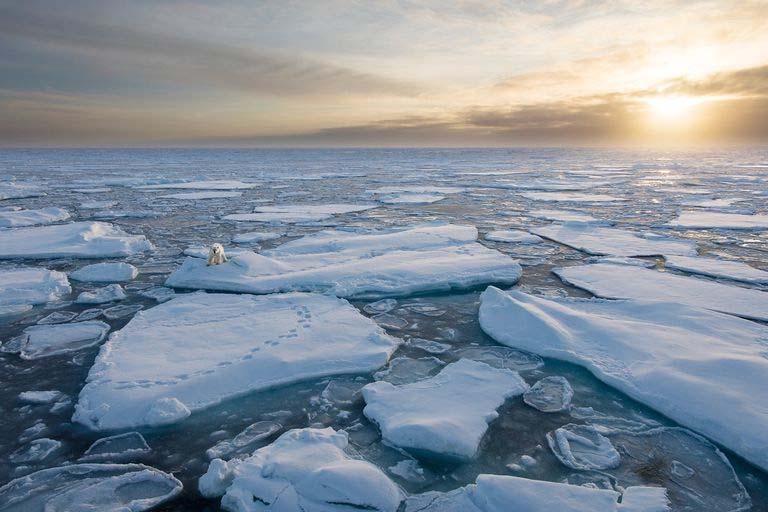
<point>380,306</point>
<point>433,347</point>
<point>121,311</point>
<point>550,394</point>
<point>255,236</point>
<point>410,198</point>
<point>502,357</point>
<point>97,205</point>
<point>109,293</point>
<point>118,448</point>
<point>202,185</point>
<point>446,415</point>
<point>583,447</point>
<point>105,273</point>
<point>196,196</point>
<point>36,451</point>
<point>573,197</point>
<point>50,340</point>
<point>19,191</point>
<point>57,317</point>
<point>402,370</point>
<point>89,314</point>
<point>513,235</point>
<point>23,218</point>
<point>245,441</point>
<point>40,397</point>
<point>160,294</point>
<point>408,469</point>
<point>391,322</point>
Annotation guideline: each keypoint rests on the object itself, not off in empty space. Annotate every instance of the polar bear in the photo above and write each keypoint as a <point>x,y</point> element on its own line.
<point>216,255</point>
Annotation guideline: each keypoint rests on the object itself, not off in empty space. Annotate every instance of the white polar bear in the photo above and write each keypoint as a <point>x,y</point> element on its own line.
<point>216,255</point>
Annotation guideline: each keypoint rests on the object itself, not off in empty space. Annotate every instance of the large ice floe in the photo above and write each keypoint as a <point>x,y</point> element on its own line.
<point>26,286</point>
<point>612,281</point>
<point>572,197</point>
<point>564,216</point>
<point>196,196</point>
<point>290,214</point>
<point>724,269</point>
<point>23,218</point>
<point>611,241</point>
<point>717,220</point>
<point>78,239</point>
<point>444,416</point>
<point>359,264</point>
<point>501,493</point>
<point>202,185</point>
<point>199,349</point>
<point>304,469</point>
<point>81,487</point>
<point>699,367</point>
<point>116,272</point>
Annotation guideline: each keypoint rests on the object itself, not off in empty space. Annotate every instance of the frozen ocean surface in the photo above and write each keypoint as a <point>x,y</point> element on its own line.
<point>702,212</point>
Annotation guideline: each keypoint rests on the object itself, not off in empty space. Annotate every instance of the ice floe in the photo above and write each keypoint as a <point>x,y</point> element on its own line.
<point>444,416</point>
<point>724,269</point>
<point>203,185</point>
<point>199,349</point>
<point>34,452</point>
<point>583,447</point>
<point>698,367</point>
<point>78,239</point>
<point>631,282</point>
<point>565,216</point>
<point>513,235</point>
<point>359,264</point>
<point>245,441</point>
<point>410,198</point>
<point>118,448</point>
<point>611,241</point>
<point>109,293</point>
<point>712,203</point>
<point>23,218</point>
<point>255,236</point>
<point>105,273</point>
<point>718,220</point>
<point>304,469</point>
<point>50,340</point>
<point>550,394</point>
<point>18,191</point>
<point>29,286</point>
<point>196,196</point>
<point>501,493</point>
<point>118,487</point>
<point>40,397</point>
<point>290,214</point>
<point>572,197</point>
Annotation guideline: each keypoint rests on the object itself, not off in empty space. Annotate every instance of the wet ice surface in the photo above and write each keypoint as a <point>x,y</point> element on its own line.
<point>480,188</point>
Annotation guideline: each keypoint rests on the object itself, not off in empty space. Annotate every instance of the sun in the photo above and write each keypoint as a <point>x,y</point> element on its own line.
<point>671,108</point>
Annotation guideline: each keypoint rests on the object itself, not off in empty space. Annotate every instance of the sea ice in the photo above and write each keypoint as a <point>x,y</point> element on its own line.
<point>23,218</point>
<point>361,265</point>
<point>97,205</point>
<point>290,214</point>
<point>58,317</point>
<point>195,196</point>
<point>105,273</point>
<point>583,447</point>
<point>410,198</point>
<point>109,293</point>
<point>611,241</point>
<point>17,191</point>
<point>199,349</point>
<point>501,493</point>
<point>36,451</point>
<point>118,448</point>
<point>572,197</point>
<point>402,370</point>
<point>565,216</point>
<point>550,394</point>
<point>255,236</point>
<point>203,185</point>
<point>304,469</point>
<point>40,397</point>
<point>712,203</point>
<point>513,235</point>
<point>717,220</point>
<point>446,415</point>
<point>245,441</point>
<point>733,270</point>
<point>631,282</point>
<point>49,340</point>
<point>698,367</point>
<point>22,286</point>
<point>86,487</point>
<point>78,239</point>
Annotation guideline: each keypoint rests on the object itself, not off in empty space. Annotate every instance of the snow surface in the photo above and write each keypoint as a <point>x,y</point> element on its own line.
<point>89,487</point>
<point>725,269</point>
<point>698,367</point>
<point>50,340</point>
<point>501,493</point>
<point>630,282</point>
<point>611,241</point>
<point>78,239</point>
<point>23,218</point>
<point>199,349</point>
<point>20,286</point>
<point>290,214</point>
<point>304,469</point>
<point>105,273</point>
<point>572,197</point>
<point>513,235</point>
<point>359,264</point>
<point>444,416</point>
<point>201,195</point>
<point>714,220</point>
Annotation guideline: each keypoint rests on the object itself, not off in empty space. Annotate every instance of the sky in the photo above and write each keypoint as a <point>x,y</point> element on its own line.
<point>383,73</point>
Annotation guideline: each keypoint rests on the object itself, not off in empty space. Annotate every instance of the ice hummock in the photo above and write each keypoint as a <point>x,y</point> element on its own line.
<point>600,240</point>
<point>698,367</point>
<point>723,269</point>
<point>359,264</point>
<point>115,272</point>
<point>304,469</point>
<point>81,487</point>
<point>30,286</point>
<point>444,416</point>
<point>631,282</point>
<point>23,218</point>
<point>199,349</point>
<point>78,240</point>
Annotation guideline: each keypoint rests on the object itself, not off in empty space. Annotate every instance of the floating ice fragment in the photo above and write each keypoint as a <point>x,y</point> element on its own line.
<point>105,273</point>
<point>716,220</point>
<point>36,451</point>
<point>109,293</point>
<point>40,397</point>
<point>402,370</point>
<point>550,394</point>
<point>118,448</point>
<point>23,218</point>
<point>245,441</point>
<point>513,235</point>
<point>29,286</point>
<point>255,236</point>
<point>50,340</point>
<point>583,447</point>
<point>611,241</point>
<point>380,306</point>
<point>57,317</point>
<point>724,269</point>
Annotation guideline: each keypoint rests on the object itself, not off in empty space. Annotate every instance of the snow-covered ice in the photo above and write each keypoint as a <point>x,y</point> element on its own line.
<point>116,272</point>
<point>81,487</point>
<point>572,197</point>
<point>196,196</point>
<point>550,394</point>
<point>199,349</point>
<point>699,367</point>
<point>444,416</point>
<point>19,191</point>
<point>612,241</point>
<point>304,469</point>
<point>631,282</point>
<point>23,218</point>
<point>724,269</point>
<point>255,236</point>
<point>564,216</point>
<point>583,447</point>
<point>109,293</point>
<point>202,185</point>
<point>359,264</point>
<point>718,220</point>
<point>40,397</point>
<point>50,340</point>
<point>712,203</point>
<point>78,239</point>
<point>290,214</point>
<point>30,286</point>
<point>513,235</point>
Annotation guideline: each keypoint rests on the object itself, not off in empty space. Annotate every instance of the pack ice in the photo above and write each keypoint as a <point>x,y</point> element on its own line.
<point>123,487</point>
<point>196,196</point>
<point>572,197</point>
<point>105,273</point>
<point>19,191</point>
<point>30,286</point>
<point>199,349</point>
<point>611,241</point>
<point>22,218</point>
<point>290,214</point>
<point>725,269</point>
<point>359,264</point>
<point>501,493</point>
<point>202,185</point>
<point>699,367</point>
<point>632,282</point>
<point>715,220</point>
<point>304,469</point>
<point>78,240</point>
<point>512,235</point>
<point>444,416</point>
